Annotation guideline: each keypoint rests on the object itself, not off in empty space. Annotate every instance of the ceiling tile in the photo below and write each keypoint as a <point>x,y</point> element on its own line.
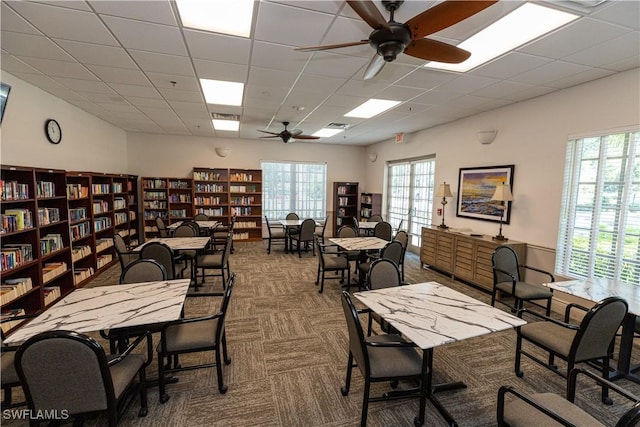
<point>609,52</point>
<point>625,13</point>
<point>509,65</point>
<point>218,47</point>
<point>134,90</point>
<point>269,77</point>
<point>146,36</point>
<point>466,83</point>
<point>11,21</point>
<point>160,13</point>
<point>119,75</point>
<point>163,63</point>
<point>31,45</point>
<point>60,68</point>
<point>206,69</point>
<point>169,81</point>
<point>328,64</point>
<point>278,57</point>
<point>85,85</point>
<point>96,54</point>
<point>147,102</point>
<point>297,21</point>
<point>548,73</point>
<point>13,65</point>
<point>423,78</point>
<point>180,95</point>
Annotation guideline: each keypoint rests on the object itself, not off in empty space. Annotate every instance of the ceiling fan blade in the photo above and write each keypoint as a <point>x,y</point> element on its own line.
<point>331,46</point>
<point>444,15</point>
<point>273,136</point>
<point>295,132</point>
<point>306,137</point>
<point>369,14</point>
<point>433,50</point>
<point>374,67</point>
<point>270,133</point>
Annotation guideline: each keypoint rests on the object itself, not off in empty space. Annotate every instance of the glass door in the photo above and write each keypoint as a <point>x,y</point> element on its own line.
<point>410,197</point>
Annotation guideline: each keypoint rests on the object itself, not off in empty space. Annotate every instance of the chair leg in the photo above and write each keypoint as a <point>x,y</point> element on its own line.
<point>322,283</point>
<point>143,394</point>
<point>605,374</point>
<point>365,402</point>
<point>269,247</point>
<point>548,313</point>
<point>161,381</point>
<point>221,386</point>
<point>6,402</point>
<point>347,383</point>
<point>516,368</point>
<point>493,298</point>
<point>318,275</point>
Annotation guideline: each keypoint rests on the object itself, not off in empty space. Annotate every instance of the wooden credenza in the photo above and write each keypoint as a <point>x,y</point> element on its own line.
<point>462,256</point>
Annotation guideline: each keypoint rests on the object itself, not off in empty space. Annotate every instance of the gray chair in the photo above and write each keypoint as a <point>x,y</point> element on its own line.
<point>217,261</point>
<point>402,237</point>
<point>383,273</point>
<point>305,236</point>
<point>201,217</point>
<point>64,370</point>
<point>592,340</point>
<point>291,230</point>
<point>201,334</point>
<point>322,228</point>
<point>188,229</point>
<point>376,218</point>
<point>347,231</point>
<point>331,259</point>
<point>380,358</point>
<point>9,376</point>
<point>125,256</point>
<point>163,231</point>
<point>276,234</point>
<point>143,270</point>
<point>506,280</point>
<point>383,230</point>
<point>219,234</point>
<point>547,409</point>
<point>392,251</point>
<point>163,254</point>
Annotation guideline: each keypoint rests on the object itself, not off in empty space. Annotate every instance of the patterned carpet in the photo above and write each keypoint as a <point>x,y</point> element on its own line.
<point>288,345</point>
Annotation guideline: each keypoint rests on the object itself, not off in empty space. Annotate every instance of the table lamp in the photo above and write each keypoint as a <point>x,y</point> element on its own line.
<point>444,191</point>
<point>502,195</point>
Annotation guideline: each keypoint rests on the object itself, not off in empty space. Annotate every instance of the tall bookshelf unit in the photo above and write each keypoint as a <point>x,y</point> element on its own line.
<point>345,203</point>
<point>36,254</point>
<point>134,210</point>
<point>245,201</point>
<point>102,210</point>
<point>80,225</point>
<point>211,193</point>
<point>370,204</point>
<point>121,222</point>
<point>155,203</point>
<point>180,199</point>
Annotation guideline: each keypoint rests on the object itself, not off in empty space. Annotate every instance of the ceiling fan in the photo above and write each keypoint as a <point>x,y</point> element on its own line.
<point>391,38</point>
<point>287,135</point>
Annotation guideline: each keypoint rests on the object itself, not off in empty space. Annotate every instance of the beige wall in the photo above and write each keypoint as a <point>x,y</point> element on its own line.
<point>88,143</point>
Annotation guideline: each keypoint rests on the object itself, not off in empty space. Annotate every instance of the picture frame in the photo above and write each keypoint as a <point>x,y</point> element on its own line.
<point>476,186</point>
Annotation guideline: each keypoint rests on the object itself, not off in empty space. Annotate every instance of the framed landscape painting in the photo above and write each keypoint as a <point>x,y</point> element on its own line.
<point>475,189</point>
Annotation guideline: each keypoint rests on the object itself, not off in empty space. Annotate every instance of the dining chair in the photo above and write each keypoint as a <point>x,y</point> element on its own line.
<point>125,256</point>
<point>71,371</point>
<point>9,377</point>
<point>380,358</point>
<point>345,232</point>
<point>383,230</point>
<point>201,217</point>
<point>305,235</point>
<point>546,409</point>
<point>391,251</point>
<point>383,273</point>
<point>376,218</point>
<point>591,340</point>
<point>321,228</point>
<point>164,255</point>
<point>291,230</point>
<point>191,335</point>
<point>219,234</point>
<point>276,234</point>
<point>402,237</point>
<point>331,259</point>
<point>506,280</point>
<point>218,261</point>
<point>188,229</point>
<point>143,270</point>
<point>163,231</point>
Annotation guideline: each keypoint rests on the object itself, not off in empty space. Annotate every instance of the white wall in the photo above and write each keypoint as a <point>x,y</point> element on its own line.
<point>88,143</point>
<point>532,135</point>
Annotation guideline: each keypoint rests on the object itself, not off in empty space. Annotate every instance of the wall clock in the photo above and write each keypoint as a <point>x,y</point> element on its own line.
<point>53,131</point>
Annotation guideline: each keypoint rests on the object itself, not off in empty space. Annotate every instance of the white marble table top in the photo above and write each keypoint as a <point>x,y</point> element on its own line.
<point>359,243</point>
<point>598,289</point>
<point>201,224</point>
<point>178,243</point>
<point>431,314</point>
<point>108,307</point>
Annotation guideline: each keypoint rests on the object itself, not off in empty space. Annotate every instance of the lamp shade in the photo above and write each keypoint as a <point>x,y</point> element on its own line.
<point>222,152</point>
<point>503,193</point>
<point>444,191</point>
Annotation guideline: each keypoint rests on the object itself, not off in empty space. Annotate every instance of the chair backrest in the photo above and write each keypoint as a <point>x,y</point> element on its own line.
<point>347,231</point>
<point>357,346</point>
<point>186,230</point>
<point>143,270</point>
<point>505,259</point>
<point>201,217</point>
<point>226,252</point>
<point>162,227</point>
<point>122,251</point>
<point>163,254</point>
<point>320,229</point>
<point>307,230</point>
<point>383,230</point>
<point>631,418</point>
<point>376,218</point>
<point>292,215</point>
<point>224,308</point>
<point>383,273</point>
<point>64,370</point>
<point>392,251</point>
<point>268,225</point>
<point>402,237</point>
<point>598,329</point>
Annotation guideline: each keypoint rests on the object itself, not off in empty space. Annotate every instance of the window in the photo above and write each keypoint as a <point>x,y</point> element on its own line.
<point>599,234</point>
<point>410,196</point>
<point>294,187</point>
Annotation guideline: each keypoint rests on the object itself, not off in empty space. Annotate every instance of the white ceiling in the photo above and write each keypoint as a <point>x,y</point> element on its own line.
<point>133,64</point>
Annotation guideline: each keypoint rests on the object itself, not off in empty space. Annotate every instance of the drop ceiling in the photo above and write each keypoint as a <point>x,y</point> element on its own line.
<point>134,65</point>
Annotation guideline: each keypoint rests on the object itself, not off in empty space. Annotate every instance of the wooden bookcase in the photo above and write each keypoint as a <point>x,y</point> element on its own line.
<point>82,239</point>
<point>245,201</point>
<point>370,204</point>
<point>103,222</point>
<point>345,204</point>
<point>134,210</point>
<point>180,199</point>
<point>155,203</point>
<point>211,193</point>
<point>35,239</point>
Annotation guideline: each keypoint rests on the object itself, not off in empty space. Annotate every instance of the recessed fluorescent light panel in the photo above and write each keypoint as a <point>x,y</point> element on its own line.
<point>326,132</point>
<point>371,108</point>
<point>222,92</point>
<point>524,24</point>
<point>229,17</point>
<point>232,125</point>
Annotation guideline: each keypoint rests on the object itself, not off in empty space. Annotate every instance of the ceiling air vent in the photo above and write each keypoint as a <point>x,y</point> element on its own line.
<point>224,116</point>
<point>343,126</point>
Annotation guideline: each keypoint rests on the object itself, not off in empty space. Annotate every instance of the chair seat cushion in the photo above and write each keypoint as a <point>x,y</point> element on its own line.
<point>335,262</point>
<point>526,291</point>
<point>210,260</point>
<point>123,372</point>
<point>517,413</point>
<point>191,336</point>
<point>9,374</point>
<point>277,233</point>
<point>549,335</point>
<point>392,361</point>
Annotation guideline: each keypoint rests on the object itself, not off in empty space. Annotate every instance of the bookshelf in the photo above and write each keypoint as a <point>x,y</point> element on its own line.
<point>155,203</point>
<point>103,218</point>
<point>180,199</point>
<point>211,193</point>
<point>35,250</point>
<point>370,204</point>
<point>134,210</point>
<point>345,203</point>
<point>245,201</point>
<point>82,245</point>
